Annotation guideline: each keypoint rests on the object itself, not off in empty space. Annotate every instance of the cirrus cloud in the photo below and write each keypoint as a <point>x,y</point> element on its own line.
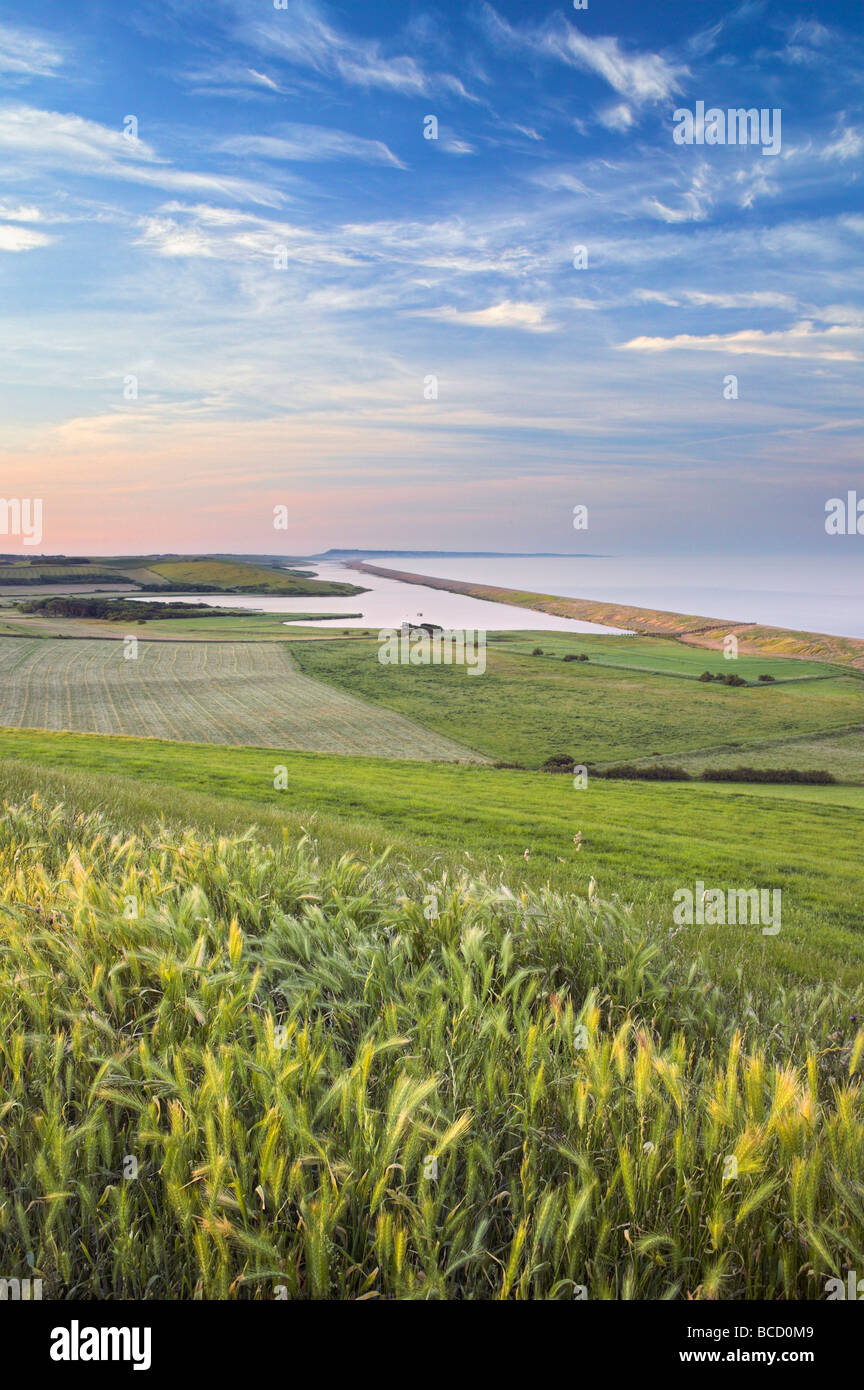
<point>506,314</point>
<point>802,340</point>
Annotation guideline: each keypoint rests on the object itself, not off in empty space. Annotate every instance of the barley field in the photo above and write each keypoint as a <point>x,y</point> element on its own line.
<point>231,1069</point>
<point>216,692</point>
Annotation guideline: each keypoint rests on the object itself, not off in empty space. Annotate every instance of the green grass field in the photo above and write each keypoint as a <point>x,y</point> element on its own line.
<point>411,959</point>
<point>524,708</point>
<point>639,841</point>
<point>838,751</point>
<point>214,692</point>
<point>251,627</point>
<point>661,655</point>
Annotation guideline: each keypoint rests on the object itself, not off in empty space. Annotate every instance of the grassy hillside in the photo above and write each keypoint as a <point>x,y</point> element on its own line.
<point>205,573</point>
<point>840,752</point>
<point>229,1068</point>
<point>524,708</point>
<point>213,692</point>
<point>234,577</point>
<point>640,842</point>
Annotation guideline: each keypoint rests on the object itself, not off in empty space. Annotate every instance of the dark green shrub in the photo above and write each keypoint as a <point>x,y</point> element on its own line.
<point>813,778</point>
<point>559,762</point>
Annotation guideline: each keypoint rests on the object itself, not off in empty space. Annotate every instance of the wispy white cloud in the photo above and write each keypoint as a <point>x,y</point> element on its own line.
<point>618,117</point>
<point>53,140</point>
<point>749,299</point>
<point>233,79</point>
<point>752,299</point>
<point>216,234</point>
<point>303,36</point>
<point>451,143</point>
<point>848,143</point>
<point>657,297</point>
<point>508,314</point>
<point>809,31</point>
<point>264,80</point>
<point>20,212</point>
<point>26,54</point>
<point>560,180</point>
<point>802,340</point>
<point>17,238</point>
<point>641,78</point>
<point>312,143</point>
<point>693,209</point>
<point>807,42</point>
<point>694,204</point>
<point>417,253</point>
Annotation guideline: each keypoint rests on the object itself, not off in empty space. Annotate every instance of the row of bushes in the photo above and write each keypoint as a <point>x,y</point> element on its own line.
<point>25,578</point>
<point>119,610</point>
<point>733,679</point>
<point>767,774</point>
<point>666,772</point>
<point>571,656</point>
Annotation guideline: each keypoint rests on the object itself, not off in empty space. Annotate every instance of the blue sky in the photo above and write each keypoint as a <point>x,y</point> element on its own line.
<point>281,261</point>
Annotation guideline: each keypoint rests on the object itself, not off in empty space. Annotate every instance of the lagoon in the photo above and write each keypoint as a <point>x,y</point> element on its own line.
<point>389,603</point>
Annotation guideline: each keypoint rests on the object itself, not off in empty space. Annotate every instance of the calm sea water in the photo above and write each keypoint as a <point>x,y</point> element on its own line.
<point>817,595</point>
<point>813,593</point>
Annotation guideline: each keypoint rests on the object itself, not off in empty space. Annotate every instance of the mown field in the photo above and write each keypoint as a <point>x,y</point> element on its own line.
<point>230,1069</point>
<point>214,692</point>
<point>526,708</point>
<point>27,573</point>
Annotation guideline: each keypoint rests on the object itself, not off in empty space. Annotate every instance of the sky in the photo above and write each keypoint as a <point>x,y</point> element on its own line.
<point>325,258</point>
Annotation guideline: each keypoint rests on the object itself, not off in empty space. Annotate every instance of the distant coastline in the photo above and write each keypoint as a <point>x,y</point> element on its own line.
<point>341,554</point>
<point>696,630</point>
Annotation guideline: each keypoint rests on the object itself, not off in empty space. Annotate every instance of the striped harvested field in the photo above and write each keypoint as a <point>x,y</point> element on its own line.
<point>241,693</point>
